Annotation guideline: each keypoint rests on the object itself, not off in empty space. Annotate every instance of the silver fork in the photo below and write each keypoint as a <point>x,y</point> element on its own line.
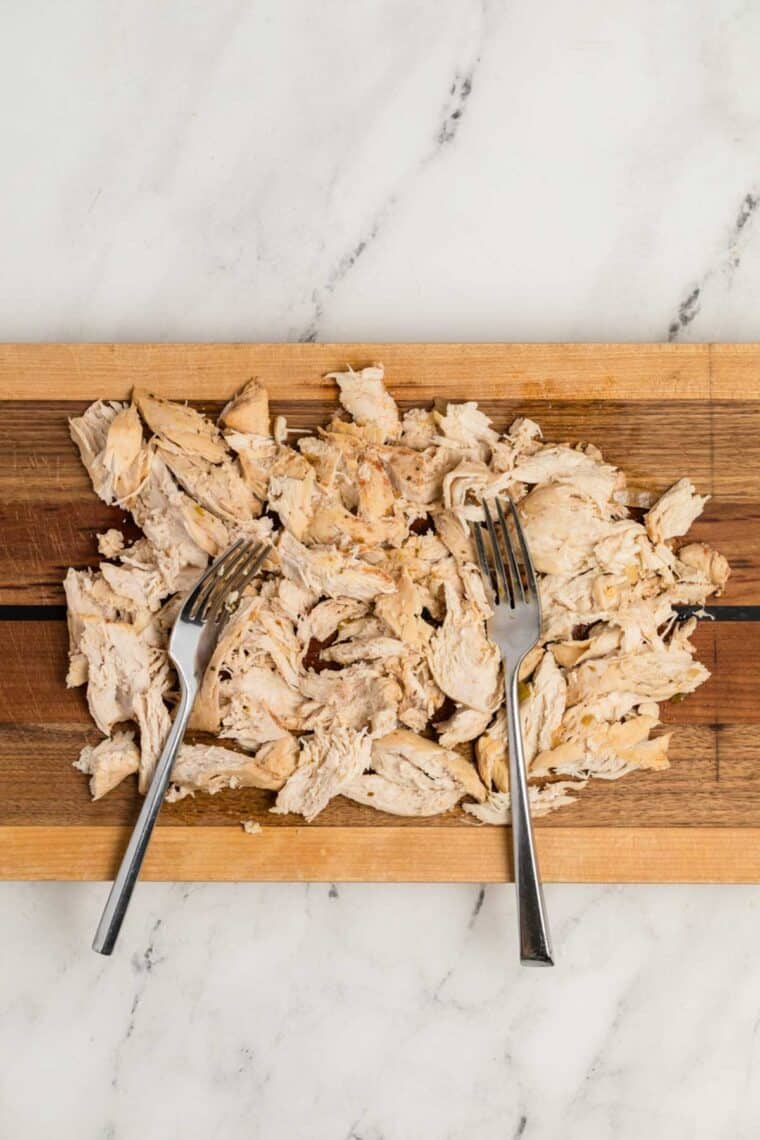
<point>192,641</point>
<point>515,628</point>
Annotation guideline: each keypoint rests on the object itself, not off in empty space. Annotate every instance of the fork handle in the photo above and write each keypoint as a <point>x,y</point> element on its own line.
<point>124,883</point>
<point>535,940</point>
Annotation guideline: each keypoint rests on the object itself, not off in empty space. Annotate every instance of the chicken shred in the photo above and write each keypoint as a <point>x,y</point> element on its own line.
<point>366,634</point>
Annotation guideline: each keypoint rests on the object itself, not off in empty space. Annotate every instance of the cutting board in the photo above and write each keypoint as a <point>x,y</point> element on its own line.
<point>659,411</point>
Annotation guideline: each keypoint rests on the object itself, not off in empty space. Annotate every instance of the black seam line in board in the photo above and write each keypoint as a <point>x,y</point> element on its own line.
<point>32,613</point>
<point>58,613</point>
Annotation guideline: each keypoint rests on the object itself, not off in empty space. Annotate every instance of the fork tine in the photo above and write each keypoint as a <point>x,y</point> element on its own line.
<point>236,580</point>
<point>221,578</point>
<point>501,574</point>
<point>514,573</point>
<point>223,566</point>
<point>485,569</point>
<point>201,586</point>
<point>529,569</point>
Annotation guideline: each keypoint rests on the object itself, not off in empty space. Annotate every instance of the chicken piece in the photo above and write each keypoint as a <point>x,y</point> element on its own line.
<point>359,696</point>
<point>623,549</point>
<point>391,751</point>
<point>606,751</point>
<point>418,475</point>
<point>466,424</point>
<point>125,458</point>
<point>675,511</point>
<point>326,618</point>
<point>364,649</point>
<point>567,600</point>
<point>523,438</point>
<point>263,689</point>
<point>452,529</point>
<point>473,478</point>
<point>110,442</point>
<point>410,793</point>
<point>414,777</point>
<point>463,661</point>
<point>141,588</point>
<point>496,809</point>
<point>292,484</point>
<point>419,429</point>
<point>327,571</point>
<point>708,563</point>
<point>602,640</point>
<point>376,497</point>
<point>270,635</point>
<point>181,531</point>
<point>542,709</point>
<point>154,723</point>
<point>256,455</point>
<point>110,543</point>
<point>650,674</point>
<point>207,714</point>
<point>89,600</point>
<point>250,724</point>
<point>144,578</point>
<point>557,463</point>
<point>366,399</point>
<point>109,762</point>
<point>328,463</point>
<point>127,680</point>
<point>181,425</point>
<point>562,527</point>
<point>218,487</point>
<point>209,768</point>
<point>333,524</point>
<point>248,411</point>
<point>491,753</point>
<point>89,432</point>
<point>328,762</point>
<point>464,724</point>
<point>294,600</point>
<point>401,612</point>
<point>420,696</point>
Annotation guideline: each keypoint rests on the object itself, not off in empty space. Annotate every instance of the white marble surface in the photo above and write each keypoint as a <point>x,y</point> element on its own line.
<point>443,169</point>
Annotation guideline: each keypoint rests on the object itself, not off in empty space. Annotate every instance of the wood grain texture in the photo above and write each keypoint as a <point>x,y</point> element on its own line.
<point>387,854</point>
<point>419,371</point>
<point>658,411</point>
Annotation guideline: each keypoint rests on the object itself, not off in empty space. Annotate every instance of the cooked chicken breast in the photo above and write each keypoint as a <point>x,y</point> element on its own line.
<point>182,426</point>
<point>328,762</point>
<point>109,762</point>
<point>673,514</point>
<point>366,633</point>
<point>365,397</point>
<point>209,768</point>
<point>462,659</point>
<point>248,411</point>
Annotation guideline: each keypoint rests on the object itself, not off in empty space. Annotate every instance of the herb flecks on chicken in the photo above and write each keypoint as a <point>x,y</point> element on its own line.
<point>358,664</point>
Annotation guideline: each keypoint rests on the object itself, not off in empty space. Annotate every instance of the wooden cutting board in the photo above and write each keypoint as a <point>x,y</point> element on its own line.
<point>659,411</point>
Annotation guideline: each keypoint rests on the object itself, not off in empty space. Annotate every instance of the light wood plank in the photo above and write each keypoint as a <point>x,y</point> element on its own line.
<point>420,371</point>
<point>380,854</point>
<point>734,371</point>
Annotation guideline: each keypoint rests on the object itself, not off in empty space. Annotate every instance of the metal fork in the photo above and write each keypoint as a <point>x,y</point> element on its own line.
<point>515,628</point>
<point>192,641</point>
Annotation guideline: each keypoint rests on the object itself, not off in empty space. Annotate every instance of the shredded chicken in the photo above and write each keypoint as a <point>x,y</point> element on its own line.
<point>365,637</point>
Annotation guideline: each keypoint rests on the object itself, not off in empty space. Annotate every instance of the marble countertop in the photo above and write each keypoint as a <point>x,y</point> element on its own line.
<point>451,170</point>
